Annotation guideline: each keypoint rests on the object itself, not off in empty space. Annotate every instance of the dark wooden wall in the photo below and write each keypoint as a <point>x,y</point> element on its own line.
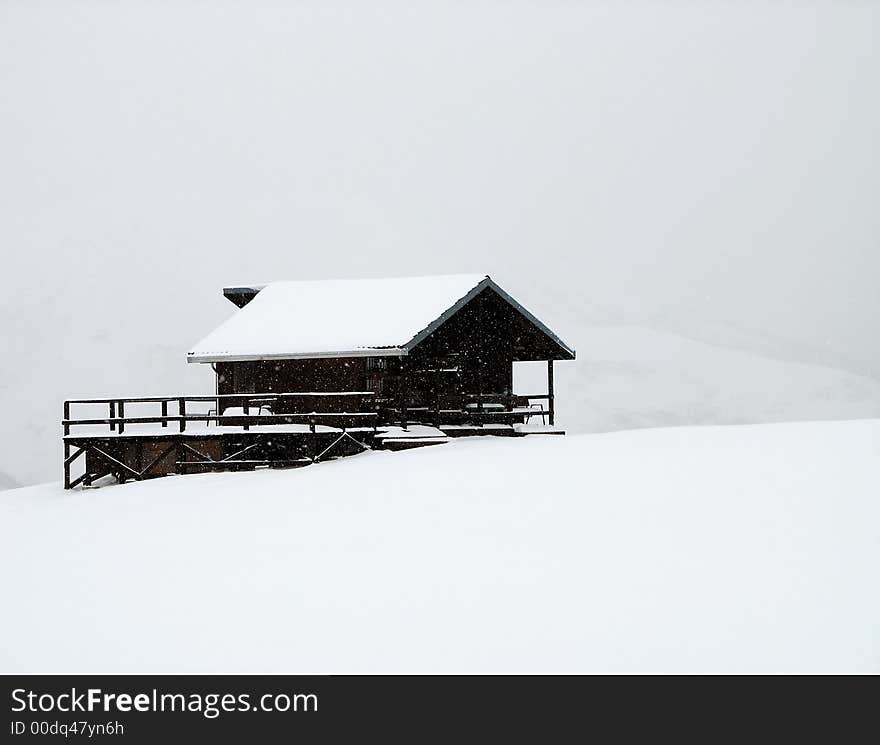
<point>288,376</point>
<point>472,352</point>
<point>294,376</point>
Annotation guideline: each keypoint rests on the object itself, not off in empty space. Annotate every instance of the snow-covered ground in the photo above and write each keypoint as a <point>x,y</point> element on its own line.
<point>741,548</point>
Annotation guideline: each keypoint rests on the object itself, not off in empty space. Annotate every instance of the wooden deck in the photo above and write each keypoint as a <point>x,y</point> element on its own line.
<point>145,444</point>
<point>141,438</point>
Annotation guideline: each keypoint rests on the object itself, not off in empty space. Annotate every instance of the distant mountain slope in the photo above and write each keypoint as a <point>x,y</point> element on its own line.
<point>691,549</point>
<point>627,376</point>
<point>7,482</point>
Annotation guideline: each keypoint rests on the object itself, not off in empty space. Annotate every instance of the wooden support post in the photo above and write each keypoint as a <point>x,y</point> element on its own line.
<point>121,409</point>
<point>437,379</point>
<point>181,408</point>
<point>66,445</point>
<point>480,418</point>
<point>551,402</point>
<point>404,393</point>
<point>510,402</point>
<point>164,412</point>
<point>112,416</point>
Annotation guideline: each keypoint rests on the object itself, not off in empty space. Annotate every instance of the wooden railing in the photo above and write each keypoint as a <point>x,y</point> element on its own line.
<point>479,407</point>
<point>117,420</point>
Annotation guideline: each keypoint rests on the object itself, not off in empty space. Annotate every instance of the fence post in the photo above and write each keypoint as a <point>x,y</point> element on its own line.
<point>246,408</point>
<point>551,401</point>
<point>121,408</point>
<point>66,445</point>
<point>112,416</point>
<point>181,408</point>
<point>164,413</point>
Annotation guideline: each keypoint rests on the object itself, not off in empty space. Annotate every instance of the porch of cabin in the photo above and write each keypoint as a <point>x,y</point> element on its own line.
<point>453,391</point>
<point>146,437</point>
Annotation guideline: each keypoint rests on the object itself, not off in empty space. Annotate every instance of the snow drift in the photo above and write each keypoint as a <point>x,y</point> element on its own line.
<point>748,548</point>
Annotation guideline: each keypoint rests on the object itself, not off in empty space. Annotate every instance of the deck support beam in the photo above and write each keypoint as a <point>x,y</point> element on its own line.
<point>113,461</point>
<point>66,446</point>
<point>158,458</point>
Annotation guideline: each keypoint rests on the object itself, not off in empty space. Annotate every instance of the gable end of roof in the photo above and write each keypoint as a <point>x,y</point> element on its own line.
<point>489,283</point>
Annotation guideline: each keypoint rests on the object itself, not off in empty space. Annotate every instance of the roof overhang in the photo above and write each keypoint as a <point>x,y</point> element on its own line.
<point>376,352</point>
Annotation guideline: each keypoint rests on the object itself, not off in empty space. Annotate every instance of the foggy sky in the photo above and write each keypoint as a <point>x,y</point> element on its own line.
<point>710,167</point>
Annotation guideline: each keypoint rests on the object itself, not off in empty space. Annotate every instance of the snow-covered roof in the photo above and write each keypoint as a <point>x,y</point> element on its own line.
<point>341,317</point>
<point>334,318</point>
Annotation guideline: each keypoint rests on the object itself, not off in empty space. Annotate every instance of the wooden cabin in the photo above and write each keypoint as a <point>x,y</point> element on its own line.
<point>436,350</point>
<point>307,371</point>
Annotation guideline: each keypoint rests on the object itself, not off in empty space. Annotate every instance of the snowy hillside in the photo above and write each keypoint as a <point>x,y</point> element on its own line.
<point>629,376</point>
<point>685,549</point>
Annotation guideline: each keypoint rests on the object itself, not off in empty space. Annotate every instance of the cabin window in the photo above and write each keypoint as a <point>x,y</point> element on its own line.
<point>376,367</point>
<point>245,379</point>
<point>374,383</point>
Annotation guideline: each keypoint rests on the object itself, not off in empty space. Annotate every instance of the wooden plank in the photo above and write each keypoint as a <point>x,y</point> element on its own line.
<point>66,429</point>
<point>158,458</point>
<point>71,458</point>
<point>226,396</point>
<point>111,459</point>
<point>253,418</point>
<point>228,465</point>
<point>77,481</point>
<point>335,442</point>
<point>240,452</point>
<point>196,452</point>
<point>130,420</point>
